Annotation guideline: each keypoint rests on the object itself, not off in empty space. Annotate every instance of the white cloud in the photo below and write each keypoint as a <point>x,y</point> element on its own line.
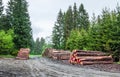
<point>42,28</point>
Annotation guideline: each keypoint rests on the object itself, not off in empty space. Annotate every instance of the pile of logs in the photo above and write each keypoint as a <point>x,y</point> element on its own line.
<point>23,54</point>
<point>89,57</point>
<point>56,54</point>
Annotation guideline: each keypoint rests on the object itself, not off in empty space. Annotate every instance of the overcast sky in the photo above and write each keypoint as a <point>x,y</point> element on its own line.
<point>43,13</point>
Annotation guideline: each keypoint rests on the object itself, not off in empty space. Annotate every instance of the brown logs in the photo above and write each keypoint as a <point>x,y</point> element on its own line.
<point>23,54</point>
<point>89,57</point>
<point>56,54</point>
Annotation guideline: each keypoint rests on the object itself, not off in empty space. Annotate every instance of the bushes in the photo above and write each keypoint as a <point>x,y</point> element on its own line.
<point>78,40</point>
<point>6,42</point>
<point>72,42</point>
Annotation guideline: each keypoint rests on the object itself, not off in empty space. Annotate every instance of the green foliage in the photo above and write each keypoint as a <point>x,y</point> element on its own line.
<point>19,20</point>
<point>15,27</point>
<point>116,55</point>
<point>34,56</point>
<point>83,19</point>
<point>75,16</point>
<point>72,42</point>
<point>106,32</point>
<point>118,62</point>
<point>6,42</point>
<point>57,34</point>
<point>39,46</point>
<point>4,21</point>
<point>101,34</point>
<point>72,19</point>
<point>42,44</point>
<point>79,40</point>
<point>6,56</point>
<point>1,8</point>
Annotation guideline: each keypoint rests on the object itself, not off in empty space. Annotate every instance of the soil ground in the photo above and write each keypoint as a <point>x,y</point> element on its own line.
<point>44,67</point>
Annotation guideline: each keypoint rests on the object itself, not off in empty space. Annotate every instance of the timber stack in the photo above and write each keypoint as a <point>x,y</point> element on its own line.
<point>89,57</point>
<point>23,54</point>
<point>56,54</point>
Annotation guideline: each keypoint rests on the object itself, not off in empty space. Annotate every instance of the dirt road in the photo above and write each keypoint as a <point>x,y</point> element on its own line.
<point>44,67</point>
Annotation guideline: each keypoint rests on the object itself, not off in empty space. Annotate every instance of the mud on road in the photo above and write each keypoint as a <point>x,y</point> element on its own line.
<point>44,67</point>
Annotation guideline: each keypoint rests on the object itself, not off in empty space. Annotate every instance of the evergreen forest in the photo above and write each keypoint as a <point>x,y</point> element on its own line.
<point>73,29</point>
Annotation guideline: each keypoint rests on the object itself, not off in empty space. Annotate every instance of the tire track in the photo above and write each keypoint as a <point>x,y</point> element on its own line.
<point>43,67</point>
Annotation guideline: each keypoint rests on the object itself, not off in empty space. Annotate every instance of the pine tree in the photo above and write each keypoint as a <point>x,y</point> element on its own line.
<point>42,43</point>
<point>116,28</point>
<point>57,33</point>
<point>36,46</point>
<point>19,20</point>
<point>75,16</point>
<point>1,14</point>
<point>1,8</point>
<point>4,20</point>
<point>93,22</point>
<point>83,18</point>
<point>68,24</point>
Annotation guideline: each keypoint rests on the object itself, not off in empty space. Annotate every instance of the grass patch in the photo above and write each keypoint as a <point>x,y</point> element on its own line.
<point>118,62</point>
<point>7,56</point>
<point>32,56</point>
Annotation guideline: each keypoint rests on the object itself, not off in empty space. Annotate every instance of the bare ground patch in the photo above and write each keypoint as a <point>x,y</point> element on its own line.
<point>44,67</point>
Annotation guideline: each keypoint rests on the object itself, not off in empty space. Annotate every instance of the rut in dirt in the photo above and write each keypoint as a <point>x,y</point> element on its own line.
<point>44,67</point>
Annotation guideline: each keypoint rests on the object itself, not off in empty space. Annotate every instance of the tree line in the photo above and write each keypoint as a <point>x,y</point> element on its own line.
<point>74,30</point>
<point>16,31</point>
<point>40,45</point>
<point>66,22</point>
<point>15,27</point>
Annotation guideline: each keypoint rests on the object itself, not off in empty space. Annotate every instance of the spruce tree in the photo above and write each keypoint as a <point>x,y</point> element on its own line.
<point>1,8</point>
<point>42,44</point>
<point>20,21</point>
<point>75,16</point>
<point>1,14</point>
<point>4,21</point>
<point>36,47</point>
<point>58,32</point>
<point>83,18</point>
<point>117,30</point>
<point>68,24</point>
<point>93,21</point>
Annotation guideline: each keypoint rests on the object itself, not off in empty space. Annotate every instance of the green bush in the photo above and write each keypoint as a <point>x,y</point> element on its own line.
<point>73,40</point>
<point>6,42</point>
<point>79,40</point>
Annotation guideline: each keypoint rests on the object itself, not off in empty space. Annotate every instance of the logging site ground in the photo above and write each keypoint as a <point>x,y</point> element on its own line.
<point>45,67</point>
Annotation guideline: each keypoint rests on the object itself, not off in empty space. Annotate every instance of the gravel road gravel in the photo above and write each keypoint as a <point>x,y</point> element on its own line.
<point>44,67</point>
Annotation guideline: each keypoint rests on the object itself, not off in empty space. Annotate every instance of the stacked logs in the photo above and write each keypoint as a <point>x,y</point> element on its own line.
<point>56,54</point>
<point>23,54</point>
<point>89,57</point>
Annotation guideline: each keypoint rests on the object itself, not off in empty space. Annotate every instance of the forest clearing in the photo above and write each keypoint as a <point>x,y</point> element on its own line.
<point>74,32</point>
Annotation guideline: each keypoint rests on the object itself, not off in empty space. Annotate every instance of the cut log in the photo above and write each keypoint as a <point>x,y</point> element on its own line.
<point>48,52</point>
<point>90,54</point>
<point>23,54</point>
<point>61,55</point>
<point>89,57</point>
<point>95,58</point>
<point>57,54</point>
<point>95,62</point>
